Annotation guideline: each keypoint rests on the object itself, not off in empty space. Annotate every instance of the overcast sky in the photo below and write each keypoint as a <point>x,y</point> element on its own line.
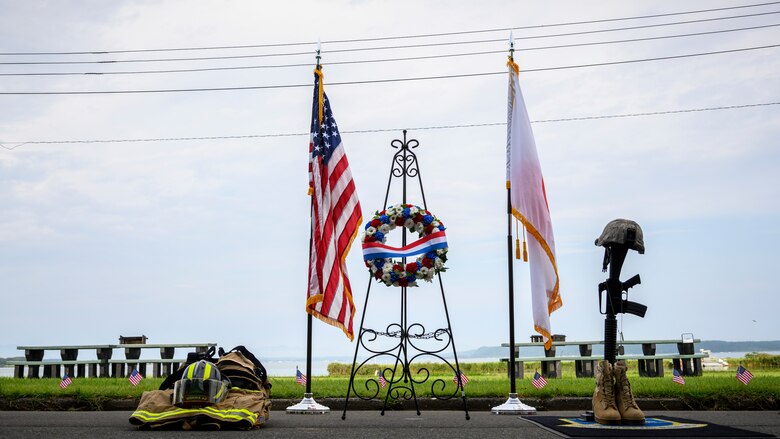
<point>207,240</point>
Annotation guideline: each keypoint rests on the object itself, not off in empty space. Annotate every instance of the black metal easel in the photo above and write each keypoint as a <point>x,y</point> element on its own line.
<point>409,346</point>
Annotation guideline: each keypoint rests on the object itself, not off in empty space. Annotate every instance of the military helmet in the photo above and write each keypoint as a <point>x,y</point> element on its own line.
<point>623,232</point>
<point>201,384</point>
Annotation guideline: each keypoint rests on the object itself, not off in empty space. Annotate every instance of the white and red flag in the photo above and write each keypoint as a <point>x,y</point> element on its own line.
<point>336,216</point>
<point>529,205</point>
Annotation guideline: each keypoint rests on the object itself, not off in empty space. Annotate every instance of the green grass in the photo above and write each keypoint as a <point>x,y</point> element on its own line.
<point>765,386</point>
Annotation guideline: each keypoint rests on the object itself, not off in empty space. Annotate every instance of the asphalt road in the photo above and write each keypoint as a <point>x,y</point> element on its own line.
<point>358,424</point>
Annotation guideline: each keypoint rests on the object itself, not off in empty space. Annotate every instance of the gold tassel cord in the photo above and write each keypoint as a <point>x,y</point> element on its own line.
<point>517,240</point>
<point>320,93</point>
<point>525,247</point>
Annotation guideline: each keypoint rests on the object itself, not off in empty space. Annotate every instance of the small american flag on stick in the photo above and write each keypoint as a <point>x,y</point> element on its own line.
<point>538,380</point>
<point>677,377</point>
<point>65,381</point>
<point>300,378</point>
<point>463,379</point>
<point>135,377</point>
<point>744,375</point>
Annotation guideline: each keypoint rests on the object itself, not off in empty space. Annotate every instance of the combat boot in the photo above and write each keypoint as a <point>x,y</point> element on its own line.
<point>604,409</point>
<point>624,398</point>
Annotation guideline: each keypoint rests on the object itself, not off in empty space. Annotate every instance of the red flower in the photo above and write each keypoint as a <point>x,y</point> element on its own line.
<point>375,222</point>
<point>427,262</point>
<point>428,229</point>
<point>399,221</point>
<point>378,274</point>
<point>402,282</point>
<point>370,238</point>
<point>411,267</point>
<point>397,267</point>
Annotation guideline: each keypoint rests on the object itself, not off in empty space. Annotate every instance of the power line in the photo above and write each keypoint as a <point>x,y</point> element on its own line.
<point>378,130</point>
<point>362,49</point>
<point>358,40</point>
<point>377,81</point>
<point>411,58</point>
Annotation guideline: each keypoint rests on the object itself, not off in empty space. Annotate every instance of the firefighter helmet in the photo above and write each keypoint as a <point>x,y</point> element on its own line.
<point>201,384</point>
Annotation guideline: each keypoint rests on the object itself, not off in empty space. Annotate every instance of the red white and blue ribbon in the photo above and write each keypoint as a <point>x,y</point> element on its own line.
<point>434,241</point>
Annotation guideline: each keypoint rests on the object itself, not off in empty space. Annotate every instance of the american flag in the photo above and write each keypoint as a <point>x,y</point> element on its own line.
<point>336,216</point>
<point>382,381</point>
<point>538,380</point>
<point>463,379</point>
<point>744,375</point>
<point>300,378</point>
<point>677,377</point>
<point>65,381</point>
<point>135,377</point>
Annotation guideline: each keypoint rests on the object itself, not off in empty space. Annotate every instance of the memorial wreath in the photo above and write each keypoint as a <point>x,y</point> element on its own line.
<point>431,246</point>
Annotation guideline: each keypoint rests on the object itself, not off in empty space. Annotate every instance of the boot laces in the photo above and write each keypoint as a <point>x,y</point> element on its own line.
<point>628,397</point>
<point>608,386</point>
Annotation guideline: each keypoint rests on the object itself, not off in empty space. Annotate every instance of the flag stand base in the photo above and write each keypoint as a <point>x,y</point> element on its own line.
<point>308,406</point>
<point>513,406</point>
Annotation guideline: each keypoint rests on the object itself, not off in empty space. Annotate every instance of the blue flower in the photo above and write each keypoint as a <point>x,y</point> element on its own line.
<point>393,277</point>
<point>427,219</point>
<point>407,212</point>
<point>442,228</point>
<point>368,224</point>
<point>430,255</point>
<point>411,278</point>
<point>379,236</point>
<point>378,263</point>
<point>384,218</point>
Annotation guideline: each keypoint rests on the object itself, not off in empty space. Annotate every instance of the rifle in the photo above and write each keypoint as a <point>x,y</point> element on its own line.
<point>614,297</point>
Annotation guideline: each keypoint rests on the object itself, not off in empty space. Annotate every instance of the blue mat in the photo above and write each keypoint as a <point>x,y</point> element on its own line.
<point>656,426</point>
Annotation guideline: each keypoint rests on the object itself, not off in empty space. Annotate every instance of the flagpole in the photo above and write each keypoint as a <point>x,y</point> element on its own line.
<point>513,405</point>
<point>308,405</point>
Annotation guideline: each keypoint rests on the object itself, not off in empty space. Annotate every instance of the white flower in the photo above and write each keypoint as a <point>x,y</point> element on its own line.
<point>386,277</point>
<point>409,224</point>
<point>392,218</point>
<point>413,210</point>
<point>423,271</point>
<point>384,228</point>
<point>430,275</point>
<point>438,264</point>
<point>441,251</point>
<point>387,268</point>
<point>373,268</point>
<point>370,231</point>
<point>435,224</point>
<point>419,227</point>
